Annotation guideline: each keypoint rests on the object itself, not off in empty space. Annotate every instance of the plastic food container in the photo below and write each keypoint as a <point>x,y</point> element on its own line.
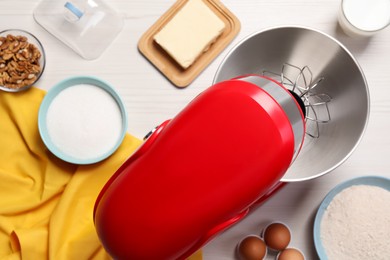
<point>87,27</point>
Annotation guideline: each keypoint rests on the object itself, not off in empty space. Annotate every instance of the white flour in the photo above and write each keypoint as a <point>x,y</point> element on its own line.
<point>84,121</point>
<point>356,224</point>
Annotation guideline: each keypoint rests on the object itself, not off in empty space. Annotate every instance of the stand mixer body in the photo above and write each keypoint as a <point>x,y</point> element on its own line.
<point>202,171</point>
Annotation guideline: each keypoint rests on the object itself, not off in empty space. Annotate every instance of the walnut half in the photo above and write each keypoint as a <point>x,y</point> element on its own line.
<point>19,62</point>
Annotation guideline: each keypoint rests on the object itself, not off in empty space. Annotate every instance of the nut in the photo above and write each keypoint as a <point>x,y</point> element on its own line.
<point>19,61</point>
<point>8,56</point>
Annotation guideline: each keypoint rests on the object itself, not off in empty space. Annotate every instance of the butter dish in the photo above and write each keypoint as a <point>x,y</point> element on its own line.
<point>168,66</point>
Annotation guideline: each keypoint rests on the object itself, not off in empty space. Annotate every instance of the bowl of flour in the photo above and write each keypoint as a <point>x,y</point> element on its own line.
<point>353,221</point>
<point>82,120</point>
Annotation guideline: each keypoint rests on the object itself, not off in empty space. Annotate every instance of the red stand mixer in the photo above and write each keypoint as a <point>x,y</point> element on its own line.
<point>205,169</point>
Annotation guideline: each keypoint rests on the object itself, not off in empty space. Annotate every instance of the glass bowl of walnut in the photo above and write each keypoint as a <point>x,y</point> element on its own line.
<point>22,60</point>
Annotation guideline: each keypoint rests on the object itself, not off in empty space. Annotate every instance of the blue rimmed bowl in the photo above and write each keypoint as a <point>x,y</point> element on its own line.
<point>53,145</point>
<point>378,181</point>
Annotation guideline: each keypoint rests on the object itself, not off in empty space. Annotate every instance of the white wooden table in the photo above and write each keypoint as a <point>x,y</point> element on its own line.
<point>150,98</point>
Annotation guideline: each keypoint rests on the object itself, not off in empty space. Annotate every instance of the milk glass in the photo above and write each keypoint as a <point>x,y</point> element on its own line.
<point>364,17</point>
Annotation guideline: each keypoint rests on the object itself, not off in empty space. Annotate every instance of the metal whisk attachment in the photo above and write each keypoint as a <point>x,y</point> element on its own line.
<point>300,81</point>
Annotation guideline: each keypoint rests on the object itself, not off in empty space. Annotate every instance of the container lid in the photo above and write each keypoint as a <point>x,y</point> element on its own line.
<point>80,24</point>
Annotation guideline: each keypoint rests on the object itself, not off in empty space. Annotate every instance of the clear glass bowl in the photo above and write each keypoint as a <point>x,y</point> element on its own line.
<point>21,69</point>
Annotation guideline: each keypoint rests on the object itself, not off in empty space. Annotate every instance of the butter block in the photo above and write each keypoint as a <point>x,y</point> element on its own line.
<point>190,32</point>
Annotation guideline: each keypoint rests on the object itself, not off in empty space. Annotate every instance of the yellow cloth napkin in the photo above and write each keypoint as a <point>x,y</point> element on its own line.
<point>46,205</point>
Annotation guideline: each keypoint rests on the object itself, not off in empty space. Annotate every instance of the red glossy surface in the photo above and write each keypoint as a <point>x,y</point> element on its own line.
<point>196,175</point>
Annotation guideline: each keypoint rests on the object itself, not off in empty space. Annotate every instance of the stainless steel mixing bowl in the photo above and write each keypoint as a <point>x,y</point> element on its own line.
<point>344,82</point>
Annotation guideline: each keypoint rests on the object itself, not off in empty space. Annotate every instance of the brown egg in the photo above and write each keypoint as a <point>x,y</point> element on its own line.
<point>277,236</point>
<point>290,254</point>
<point>251,248</point>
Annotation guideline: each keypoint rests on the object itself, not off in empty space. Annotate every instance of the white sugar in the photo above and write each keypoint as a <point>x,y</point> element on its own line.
<point>356,224</point>
<point>84,121</point>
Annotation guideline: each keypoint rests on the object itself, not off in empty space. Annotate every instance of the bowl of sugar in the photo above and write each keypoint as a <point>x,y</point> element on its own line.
<point>82,120</point>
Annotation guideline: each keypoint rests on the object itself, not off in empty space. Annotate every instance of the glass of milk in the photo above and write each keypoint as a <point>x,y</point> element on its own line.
<point>364,17</point>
